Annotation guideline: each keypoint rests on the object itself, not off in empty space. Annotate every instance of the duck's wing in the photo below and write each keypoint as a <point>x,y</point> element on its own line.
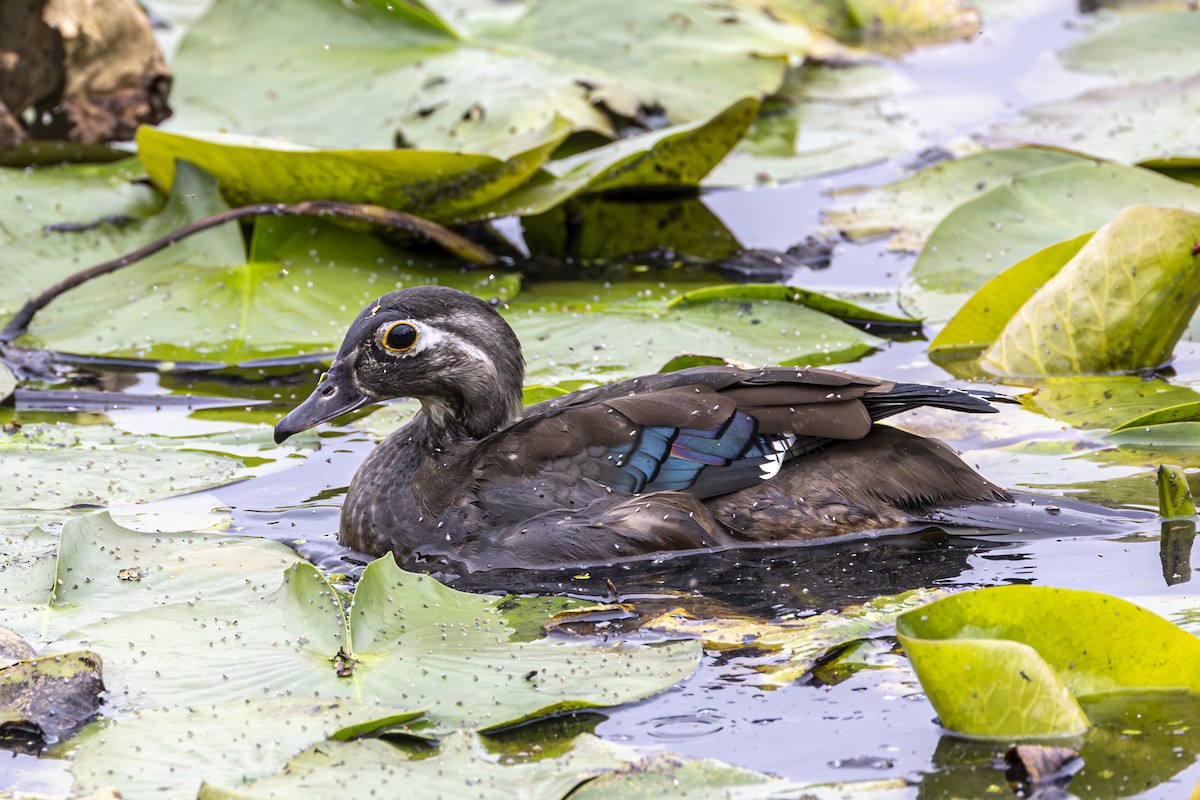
<point>705,432</point>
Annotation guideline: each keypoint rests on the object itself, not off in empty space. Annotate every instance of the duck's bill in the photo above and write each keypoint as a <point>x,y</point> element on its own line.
<point>329,400</point>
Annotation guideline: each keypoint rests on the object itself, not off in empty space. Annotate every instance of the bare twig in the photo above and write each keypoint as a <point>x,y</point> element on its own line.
<point>455,243</point>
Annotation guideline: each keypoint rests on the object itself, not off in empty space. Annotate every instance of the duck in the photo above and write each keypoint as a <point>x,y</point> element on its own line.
<point>704,458</point>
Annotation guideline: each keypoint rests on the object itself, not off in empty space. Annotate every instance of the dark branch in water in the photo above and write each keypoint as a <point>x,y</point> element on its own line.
<point>458,245</point>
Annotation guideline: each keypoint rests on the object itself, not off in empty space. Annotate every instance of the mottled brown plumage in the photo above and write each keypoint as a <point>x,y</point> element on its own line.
<point>704,458</point>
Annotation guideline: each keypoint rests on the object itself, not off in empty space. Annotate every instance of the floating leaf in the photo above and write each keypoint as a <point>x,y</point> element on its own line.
<point>1091,401</point>
<point>835,307</point>
<point>407,641</point>
<point>1145,46</point>
<point>439,185</point>
<point>985,236</point>
<point>170,752</point>
<point>1010,661</point>
<point>911,208</point>
<point>1119,305</point>
<point>670,157</point>
<point>1183,412</point>
<point>462,767</point>
<point>548,60</point>
<point>292,298</point>
<point>1098,123</point>
<point>983,317</point>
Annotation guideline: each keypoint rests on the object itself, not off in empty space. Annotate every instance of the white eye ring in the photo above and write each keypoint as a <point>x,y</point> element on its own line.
<point>399,337</point>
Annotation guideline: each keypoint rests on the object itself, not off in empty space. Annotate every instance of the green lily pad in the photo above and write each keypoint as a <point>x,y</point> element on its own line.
<point>406,641</point>
<point>631,337</point>
<point>1009,662</point>
<point>833,306</point>
<point>982,318</point>
<point>988,234</point>
<point>1174,494</point>
<point>170,752</point>
<point>1090,402</point>
<point>1181,412</point>
<point>1119,305</point>
<point>101,569</point>
<point>206,301</point>
<point>56,467</point>
<point>593,230</point>
<point>1145,46</point>
<point>496,78</point>
<point>911,208</point>
<point>671,157</point>
<point>462,767</point>
<point>438,185</point>
<point>1097,123</point>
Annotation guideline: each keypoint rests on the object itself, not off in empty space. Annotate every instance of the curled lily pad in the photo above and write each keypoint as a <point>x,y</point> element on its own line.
<point>1120,304</point>
<point>440,185</point>
<point>1182,412</point>
<point>1011,661</point>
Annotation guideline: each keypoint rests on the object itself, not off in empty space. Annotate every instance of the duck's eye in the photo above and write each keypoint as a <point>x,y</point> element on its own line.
<point>399,337</point>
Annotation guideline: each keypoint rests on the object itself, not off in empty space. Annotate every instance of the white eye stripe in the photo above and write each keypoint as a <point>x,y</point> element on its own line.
<point>431,337</point>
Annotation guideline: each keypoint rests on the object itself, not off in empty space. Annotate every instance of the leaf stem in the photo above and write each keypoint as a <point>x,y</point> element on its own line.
<point>455,243</point>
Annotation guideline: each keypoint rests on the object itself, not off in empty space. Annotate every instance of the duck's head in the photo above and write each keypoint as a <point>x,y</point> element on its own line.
<point>448,349</point>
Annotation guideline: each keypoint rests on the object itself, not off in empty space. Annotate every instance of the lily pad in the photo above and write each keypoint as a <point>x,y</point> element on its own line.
<point>592,339</point>
<point>983,317</point>
<point>103,569</point>
<point>986,235</point>
<point>1101,123</point>
<point>911,208</point>
<point>1144,46</point>
<point>406,641</point>
<point>217,307</point>
<point>439,185</point>
<point>462,767</point>
<point>1090,402</point>
<point>1009,662</point>
<point>1119,305</point>
<point>835,307</point>
<point>671,157</point>
<point>170,752</point>
<point>1182,412</point>
<point>550,60</point>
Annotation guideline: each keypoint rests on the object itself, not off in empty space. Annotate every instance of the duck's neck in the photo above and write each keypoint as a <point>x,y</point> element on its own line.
<point>475,410</point>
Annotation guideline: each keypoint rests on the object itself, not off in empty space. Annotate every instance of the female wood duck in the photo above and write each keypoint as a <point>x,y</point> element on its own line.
<point>702,458</point>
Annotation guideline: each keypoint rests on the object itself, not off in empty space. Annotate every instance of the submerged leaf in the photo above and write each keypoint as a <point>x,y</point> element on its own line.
<point>1119,305</point>
<point>799,643</point>
<point>1009,662</point>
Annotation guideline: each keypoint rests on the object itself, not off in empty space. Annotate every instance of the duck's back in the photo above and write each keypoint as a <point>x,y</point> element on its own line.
<point>699,458</point>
